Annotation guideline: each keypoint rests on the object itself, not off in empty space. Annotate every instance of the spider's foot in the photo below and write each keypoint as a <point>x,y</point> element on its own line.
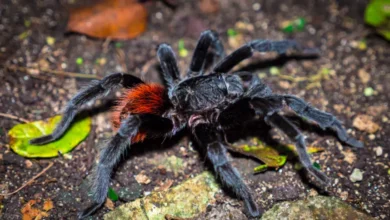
<point>319,175</point>
<point>251,208</point>
<point>89,211</point>
<point>311,52</point>
<point>42,140</point>
<point>354,143</point>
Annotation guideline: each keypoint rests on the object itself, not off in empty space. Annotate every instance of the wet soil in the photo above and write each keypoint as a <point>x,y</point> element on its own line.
<point>335,27</point>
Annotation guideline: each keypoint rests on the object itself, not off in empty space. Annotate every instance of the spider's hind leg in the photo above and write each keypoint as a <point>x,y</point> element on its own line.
<point>96,89</point>
<point>324,119</point>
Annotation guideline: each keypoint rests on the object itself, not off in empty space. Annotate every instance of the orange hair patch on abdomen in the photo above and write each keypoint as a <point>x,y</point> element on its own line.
<point>142,99</point>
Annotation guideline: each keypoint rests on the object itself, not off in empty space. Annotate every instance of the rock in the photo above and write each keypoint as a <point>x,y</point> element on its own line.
<point>186,200</point>
<point>356,176</point>
<point>365,123</point>
<point>378,151</point>
<point>364,76</point>
<point>142,178</point>
<point>318,207</point>
<point>130,193</point>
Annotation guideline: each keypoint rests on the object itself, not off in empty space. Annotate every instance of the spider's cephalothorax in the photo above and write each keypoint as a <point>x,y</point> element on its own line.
<point>208,104</point>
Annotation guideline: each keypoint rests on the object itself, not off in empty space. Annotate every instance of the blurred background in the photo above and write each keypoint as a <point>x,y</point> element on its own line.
<point>50,49</point>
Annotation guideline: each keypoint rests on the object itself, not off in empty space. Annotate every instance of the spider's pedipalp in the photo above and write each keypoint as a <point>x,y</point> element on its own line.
<point>209,139</point>
<point>109,156</point>
<point>323,119</point>
<point>168,64</point>
<point>207,39</point>
<point>95,89</point>
<point>259,45</point>
<point>294,134</point>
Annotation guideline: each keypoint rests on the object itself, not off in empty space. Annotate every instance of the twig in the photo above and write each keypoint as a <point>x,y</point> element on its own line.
<point>57,72</point>
<point>14,117</point>
<point>30,181</point>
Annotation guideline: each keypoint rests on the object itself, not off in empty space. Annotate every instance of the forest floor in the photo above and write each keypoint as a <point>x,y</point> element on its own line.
<point>354,57</point>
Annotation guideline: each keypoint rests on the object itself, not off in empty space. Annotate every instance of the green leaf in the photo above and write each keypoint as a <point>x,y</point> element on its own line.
<point>270,156</point>
<point>377,14</point>
<point>183,52</point>
<point>21,134</point>
<point>112,195</point>
<point>231,32</point>
<point>79,61</point>
<point>294,25</point>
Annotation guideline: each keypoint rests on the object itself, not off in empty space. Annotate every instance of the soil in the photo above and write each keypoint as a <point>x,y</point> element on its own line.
<point>335,27</point>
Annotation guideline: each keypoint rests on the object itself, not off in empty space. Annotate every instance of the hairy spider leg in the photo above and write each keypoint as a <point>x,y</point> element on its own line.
<point>227,174</point>
<point>208,39</point>
<point>294,134</point>
<point>323,119</point>
<point>96,89</point>
<point>259,45</point>
<point>167,59</point>
<point>111,154</point>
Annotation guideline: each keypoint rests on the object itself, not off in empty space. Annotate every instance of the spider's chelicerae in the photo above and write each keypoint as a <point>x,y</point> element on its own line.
<point>207,104</point>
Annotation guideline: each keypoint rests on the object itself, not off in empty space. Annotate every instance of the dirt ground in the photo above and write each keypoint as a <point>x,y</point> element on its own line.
<point>335,27</point>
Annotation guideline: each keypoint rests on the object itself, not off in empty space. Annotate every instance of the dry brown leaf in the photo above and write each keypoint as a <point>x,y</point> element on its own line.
<point>48,205</point>
<point>116,19</point>
<point>166,185</point>
<point>349,156</point>
<point>30,213</point>
<point>209,6</point>
<point>142,178</point>
<point>109,204</point>
<point>365,123</point>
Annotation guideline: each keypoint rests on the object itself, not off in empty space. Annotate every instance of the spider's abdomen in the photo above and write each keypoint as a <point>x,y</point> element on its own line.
<point>141,99</point>
<point>206,92</point>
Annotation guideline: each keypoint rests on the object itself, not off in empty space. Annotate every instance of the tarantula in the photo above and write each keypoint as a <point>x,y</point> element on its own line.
<point>208,104</point>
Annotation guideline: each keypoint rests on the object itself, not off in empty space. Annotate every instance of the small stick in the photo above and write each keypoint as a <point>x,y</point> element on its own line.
<point>57,72</point>
<point>30,181</point>
<point>14,117</point>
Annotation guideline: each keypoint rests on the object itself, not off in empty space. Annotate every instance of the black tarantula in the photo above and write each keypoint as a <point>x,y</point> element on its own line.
<point>208,104</point>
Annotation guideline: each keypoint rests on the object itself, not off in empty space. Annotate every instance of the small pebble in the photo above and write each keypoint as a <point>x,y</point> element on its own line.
<point>378,151</point>
<point>356,176</point>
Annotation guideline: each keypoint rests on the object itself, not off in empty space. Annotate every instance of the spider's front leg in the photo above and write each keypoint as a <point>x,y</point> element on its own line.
<point>209,138</point>
<point>260,45</point>
<point>133,129</point>
<point>207,39</point>
<point>96,89</point>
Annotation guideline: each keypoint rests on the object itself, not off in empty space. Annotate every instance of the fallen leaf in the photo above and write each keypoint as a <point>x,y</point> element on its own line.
<point>365,123</point>
<point>21,134</point>
<point>48,205</point>
<point>165,185</point>
<point>270,156</point>
<point>112,194</point>
<point>109,204</point>
<point>31,213</point>
<point>209,6</point>
<point>142,178</point>
<point>349,156</point>
<point>116,19</point>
